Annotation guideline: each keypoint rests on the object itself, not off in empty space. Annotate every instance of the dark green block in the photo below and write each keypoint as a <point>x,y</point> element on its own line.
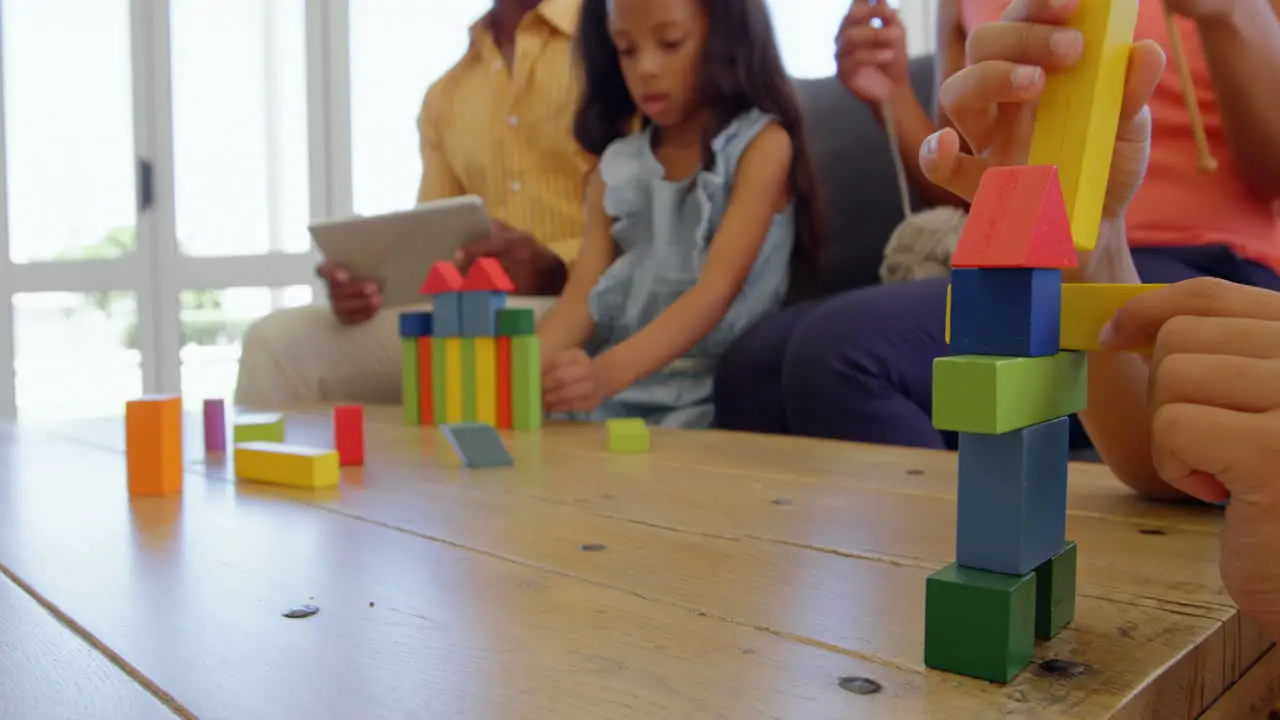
<point>979,624</point>
<point>514,322</point>
<point>409,397</point>
<point>1056,592</point>
<point>468,379</point>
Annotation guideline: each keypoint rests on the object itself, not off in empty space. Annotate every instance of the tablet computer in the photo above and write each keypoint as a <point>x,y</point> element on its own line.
<point>398,249</point>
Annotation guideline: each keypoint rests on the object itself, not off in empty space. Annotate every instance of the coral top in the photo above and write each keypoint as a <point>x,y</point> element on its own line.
<point>1177,204</point>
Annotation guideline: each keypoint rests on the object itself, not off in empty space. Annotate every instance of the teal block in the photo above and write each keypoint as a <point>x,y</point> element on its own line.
<point>446,309</point>
<point>479,313</point>
<point>478,445</point>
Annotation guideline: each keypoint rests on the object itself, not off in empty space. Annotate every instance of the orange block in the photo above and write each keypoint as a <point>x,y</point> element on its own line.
<point>153,444</point>
<point>504,383</point>
<point>425,407</point>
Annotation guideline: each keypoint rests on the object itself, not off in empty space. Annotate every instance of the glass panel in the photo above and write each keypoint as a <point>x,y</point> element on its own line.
<point>75,354</point>
<point>68,128</point>
<point>240,126</point>
<point>398,48</point>
<point>213,324</point>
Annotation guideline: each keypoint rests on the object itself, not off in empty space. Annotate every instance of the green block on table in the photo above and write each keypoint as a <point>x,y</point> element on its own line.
<point>1056,593</point>
<point>439,381</point>
<point>514,322</point>
<point>259,427</point>
<point>992,395</point>
<point>409,397</point>
<point>628,435</point>
<point>979,624</point>
<point>526,383</point>
<point>468,379</point>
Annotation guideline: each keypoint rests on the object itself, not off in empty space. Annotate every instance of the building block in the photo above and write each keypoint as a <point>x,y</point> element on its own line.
<point>1006,311</point>
<point>1056,592</point>
<point>486,275</point>
<point>479,313</point>
<point>627,435</point>
<point>409,395</point>
<point>502,387</point>
<point>1086,307</point>
<point>1079,112</point>
<point>468,379</point>
<point>513,322</point>
<point>153,444</point>
<point>439,381</point>
<point>265,427</point>
<point>292,465</point>
<point>442,279</point>
<point>348,434</point>
<point>215,426</point>
<point>979,624</point>
<point>452,382</point>
<point>477,445</point>
<point>447,309</point>
<point>1018,219</point>
<point>526,382</point>
<point>993,395</point>
<point>486,380</point>
<point>1011,511</point>
<point>426,382</point>
<point>416,324</point>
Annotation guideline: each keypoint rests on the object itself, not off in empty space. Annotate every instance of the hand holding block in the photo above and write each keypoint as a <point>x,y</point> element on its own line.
<point>1087,307</point>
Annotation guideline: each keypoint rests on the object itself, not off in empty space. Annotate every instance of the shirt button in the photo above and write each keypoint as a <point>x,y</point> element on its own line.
<point>513,121</point>
<point>515,186</point>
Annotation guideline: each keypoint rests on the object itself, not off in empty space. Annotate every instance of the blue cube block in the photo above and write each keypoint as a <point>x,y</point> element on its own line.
<point>415,324</point>
<point>480,313</point>
<point>1006,311</point>
<point>1012,506</point>
<point>447,309</point>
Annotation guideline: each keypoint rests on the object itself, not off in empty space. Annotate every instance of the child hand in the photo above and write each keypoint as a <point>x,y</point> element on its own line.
<point>1215,404</point>
<point>992,102</point>
<point>571,382</point>
<point>872,61</point>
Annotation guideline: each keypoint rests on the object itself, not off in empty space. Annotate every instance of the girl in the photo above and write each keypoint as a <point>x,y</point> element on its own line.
<point>697,224</point>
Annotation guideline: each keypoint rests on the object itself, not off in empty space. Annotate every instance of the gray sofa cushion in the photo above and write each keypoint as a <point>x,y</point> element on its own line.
<point>860,200</point>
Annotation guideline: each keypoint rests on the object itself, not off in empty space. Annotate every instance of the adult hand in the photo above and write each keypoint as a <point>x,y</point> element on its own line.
<point>353,300</point>
<point>1202,9</point>
<point>992,101</point>
<point>572,382</point>
<point>533,268</point>
<point>1215,399</point>
<point>872,61</point>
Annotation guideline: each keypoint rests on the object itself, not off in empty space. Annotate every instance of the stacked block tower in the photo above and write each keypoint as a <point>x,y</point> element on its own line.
<point>1010,382</point>
<point>471,359</point>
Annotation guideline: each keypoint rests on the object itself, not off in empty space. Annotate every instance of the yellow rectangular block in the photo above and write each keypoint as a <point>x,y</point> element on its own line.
<point>453,382</point>
<point>281,464</point>
<point>1079,112</point>
<point>1086,307</point>
<point>486,375</point>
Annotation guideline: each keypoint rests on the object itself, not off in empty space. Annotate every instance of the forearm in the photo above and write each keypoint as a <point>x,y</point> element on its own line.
<point>668,337</point>
<point>1242,49</point>
<point>913,125</point>
<point>1118,418</point>
<point>566,248</point>
<point>566,325</point>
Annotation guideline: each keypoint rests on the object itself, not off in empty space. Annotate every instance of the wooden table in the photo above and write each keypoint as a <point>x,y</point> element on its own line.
<point>720,576</point>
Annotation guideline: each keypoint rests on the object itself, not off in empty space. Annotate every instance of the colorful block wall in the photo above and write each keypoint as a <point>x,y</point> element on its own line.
<point>472,359</point>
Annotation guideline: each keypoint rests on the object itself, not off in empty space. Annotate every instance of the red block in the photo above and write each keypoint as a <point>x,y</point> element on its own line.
<point>487,275</point>
<point>426,410</point>
<point>348,434</point>
<point>1018,220</point>
<point>504,383</point>
<point>442,278</point>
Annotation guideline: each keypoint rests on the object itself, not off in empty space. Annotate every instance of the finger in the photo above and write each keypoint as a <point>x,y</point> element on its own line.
<point>972,96</point>
<point>1146,66</point>
<point>1239,337</point>
<point>1138,321</point>
<point>333,273</point>
<point>865,37</point>
<point>1051,12</point>
<point>355,304</point>
<point>1238,449</point>
<point>947,167</point>
<point>1046,46</point>
<point>1231,382</point>
<point>568,395</point>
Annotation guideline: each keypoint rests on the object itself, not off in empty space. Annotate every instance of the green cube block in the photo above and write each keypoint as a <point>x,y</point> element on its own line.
<point>439,382</point>
<point>259,427</point>
<point>468,379</point>
<point>409,398</point>
<point>514,322</point>
<point>1056,592</point>
<point>993,395</point>
<point>979,624</point>
<point>627,435</point>
<point>526,383</point>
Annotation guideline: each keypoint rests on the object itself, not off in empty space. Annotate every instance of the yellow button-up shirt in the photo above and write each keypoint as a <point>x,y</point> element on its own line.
<point>506,134</point>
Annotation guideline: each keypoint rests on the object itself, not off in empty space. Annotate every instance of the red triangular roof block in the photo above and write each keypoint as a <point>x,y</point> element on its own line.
<point>1018,220</point>
<point>487,275</point>
<point>443,278</point>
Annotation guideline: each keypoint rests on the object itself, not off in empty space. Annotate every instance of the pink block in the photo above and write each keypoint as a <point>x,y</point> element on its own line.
<point>215,426</point>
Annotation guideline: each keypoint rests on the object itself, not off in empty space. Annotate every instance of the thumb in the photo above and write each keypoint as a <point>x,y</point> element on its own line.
<point>1213,453</point>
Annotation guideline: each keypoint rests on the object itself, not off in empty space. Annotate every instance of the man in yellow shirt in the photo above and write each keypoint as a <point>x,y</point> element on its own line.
<point>498,125</point>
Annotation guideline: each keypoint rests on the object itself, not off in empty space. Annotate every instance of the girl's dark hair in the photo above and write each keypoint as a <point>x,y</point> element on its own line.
<point>741,69</point>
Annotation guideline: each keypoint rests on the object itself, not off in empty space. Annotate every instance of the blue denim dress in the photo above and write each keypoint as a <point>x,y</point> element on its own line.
<point>663,231</point>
